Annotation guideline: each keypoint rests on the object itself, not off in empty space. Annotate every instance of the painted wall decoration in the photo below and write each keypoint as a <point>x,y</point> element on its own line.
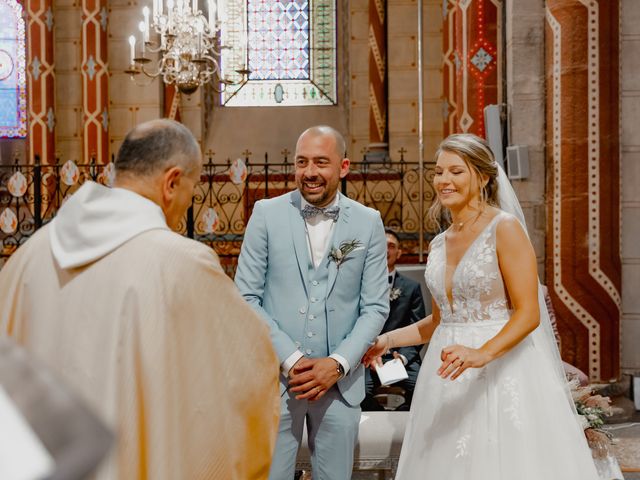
<point>378,82</point>
<point>583,244</point>
<point>472,62</point>
<point>95,76</point>
<point>171,102</point>
<point>13,81</point>
<point>41,80</point>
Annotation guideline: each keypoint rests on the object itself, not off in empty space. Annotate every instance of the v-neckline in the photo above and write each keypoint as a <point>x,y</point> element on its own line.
<point>455,269</point>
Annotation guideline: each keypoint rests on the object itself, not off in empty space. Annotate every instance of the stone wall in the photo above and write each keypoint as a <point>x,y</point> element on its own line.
<point>526,113</point>
<point>630,173</point>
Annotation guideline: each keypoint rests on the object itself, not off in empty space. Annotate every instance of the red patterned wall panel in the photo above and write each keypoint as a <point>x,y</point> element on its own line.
<point>378,98</point>
<point>472,59</point>
<point>41,80</point>
<point>583,244</point>
<point>95,77</point>
<point>171,102</point>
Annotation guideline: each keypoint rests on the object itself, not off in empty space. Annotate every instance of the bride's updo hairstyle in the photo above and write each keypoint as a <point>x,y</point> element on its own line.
<point>479,158</point>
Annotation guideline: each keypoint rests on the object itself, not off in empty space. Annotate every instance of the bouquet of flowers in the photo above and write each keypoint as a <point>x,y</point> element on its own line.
<point>591,408</point>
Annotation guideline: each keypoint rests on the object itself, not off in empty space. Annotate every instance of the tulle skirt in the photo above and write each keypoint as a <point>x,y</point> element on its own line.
<point>510,420</point>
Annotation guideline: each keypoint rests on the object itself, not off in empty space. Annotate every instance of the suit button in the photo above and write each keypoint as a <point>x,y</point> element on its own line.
<point>314,299</point>
<point>309,334</point>
<point>312,317</point>
<point>302,310</point>
<point>315,283</point>
<point>308,351</point>
<point>298,344</point>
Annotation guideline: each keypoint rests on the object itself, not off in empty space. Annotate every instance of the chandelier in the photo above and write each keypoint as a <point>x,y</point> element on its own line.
<point>188,45</point>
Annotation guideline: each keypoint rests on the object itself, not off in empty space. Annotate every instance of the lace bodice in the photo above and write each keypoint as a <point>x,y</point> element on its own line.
<point>477,288</point>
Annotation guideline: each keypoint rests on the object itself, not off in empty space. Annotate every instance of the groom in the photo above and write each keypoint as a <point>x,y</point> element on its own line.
<point>313,264</point>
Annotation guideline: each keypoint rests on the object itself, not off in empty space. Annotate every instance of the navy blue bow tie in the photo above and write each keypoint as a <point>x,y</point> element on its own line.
<point>309,211</point>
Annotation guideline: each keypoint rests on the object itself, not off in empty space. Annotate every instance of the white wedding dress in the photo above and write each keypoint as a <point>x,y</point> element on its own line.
<point>510,420</point>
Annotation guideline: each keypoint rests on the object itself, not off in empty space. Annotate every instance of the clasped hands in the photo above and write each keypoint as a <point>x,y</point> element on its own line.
<point>310,378</point>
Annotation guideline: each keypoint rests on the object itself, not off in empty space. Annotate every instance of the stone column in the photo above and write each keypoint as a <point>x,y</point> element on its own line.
<point>41,80</point>
<point>95,76</point>
<point>583,193</point>
<point>472,60</point>
<point>630,149</point>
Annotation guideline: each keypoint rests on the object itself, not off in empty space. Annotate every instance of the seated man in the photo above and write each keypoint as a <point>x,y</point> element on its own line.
<point>144,324</point>
<point>406,307</point>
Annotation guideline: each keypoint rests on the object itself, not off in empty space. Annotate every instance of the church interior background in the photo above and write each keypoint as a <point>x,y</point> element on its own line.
<point>396,77</point>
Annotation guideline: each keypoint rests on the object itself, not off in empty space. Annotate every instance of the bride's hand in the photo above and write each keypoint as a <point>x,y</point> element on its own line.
<point>457,358</point>
<point>373,356</point>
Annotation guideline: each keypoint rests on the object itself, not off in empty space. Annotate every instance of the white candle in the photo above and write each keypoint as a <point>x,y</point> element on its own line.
<point>142,35</point>
<point>145,13</point>
<point>132,44</point>
<point>222,10</point>
<point>160,7</point>
<point>212,15</point>
<point>194,7</point>
<point>170,10</point>
<point>155,11</point>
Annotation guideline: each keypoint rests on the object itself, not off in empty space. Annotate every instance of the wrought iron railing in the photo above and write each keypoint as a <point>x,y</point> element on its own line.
<point>30,195</point>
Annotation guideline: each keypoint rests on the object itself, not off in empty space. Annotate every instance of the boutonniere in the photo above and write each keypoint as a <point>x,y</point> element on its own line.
<point>394,294</point>
<point>339,255</point>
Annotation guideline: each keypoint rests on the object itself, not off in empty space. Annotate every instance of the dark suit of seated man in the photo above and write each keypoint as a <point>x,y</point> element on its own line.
<point>406,307</point>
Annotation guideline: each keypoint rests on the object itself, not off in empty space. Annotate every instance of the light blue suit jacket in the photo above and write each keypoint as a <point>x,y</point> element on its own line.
<point>273,271</point>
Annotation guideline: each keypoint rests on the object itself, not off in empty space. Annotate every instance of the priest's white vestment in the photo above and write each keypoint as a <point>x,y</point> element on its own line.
<point>146,326</point>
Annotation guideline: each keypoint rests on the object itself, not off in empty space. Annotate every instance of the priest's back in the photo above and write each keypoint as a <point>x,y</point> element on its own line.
<point>159,342</point>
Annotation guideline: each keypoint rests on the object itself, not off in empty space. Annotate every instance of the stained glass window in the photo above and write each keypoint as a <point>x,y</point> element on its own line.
<point>289,48</point>
<point>278,40</point>
<point>13,94</point>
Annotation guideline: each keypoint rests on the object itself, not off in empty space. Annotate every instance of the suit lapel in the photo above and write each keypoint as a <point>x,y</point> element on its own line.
<point>298,236</point>
<point>337,238</point>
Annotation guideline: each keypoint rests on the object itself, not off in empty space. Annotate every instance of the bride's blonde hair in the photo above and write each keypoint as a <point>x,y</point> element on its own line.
<point>478,156</point>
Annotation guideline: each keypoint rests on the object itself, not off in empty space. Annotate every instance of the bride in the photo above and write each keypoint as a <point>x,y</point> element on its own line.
<point>491,402</point>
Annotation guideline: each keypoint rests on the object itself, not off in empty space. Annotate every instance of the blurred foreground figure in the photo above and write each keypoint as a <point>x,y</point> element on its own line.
<point>145,324</point>
<point>47,432</point>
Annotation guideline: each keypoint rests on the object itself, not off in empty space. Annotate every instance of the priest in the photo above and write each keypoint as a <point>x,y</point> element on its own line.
<point>145,324</point>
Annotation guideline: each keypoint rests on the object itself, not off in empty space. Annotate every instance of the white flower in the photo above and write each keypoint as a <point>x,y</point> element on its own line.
<point>339,255</point>
<point>394,294</point>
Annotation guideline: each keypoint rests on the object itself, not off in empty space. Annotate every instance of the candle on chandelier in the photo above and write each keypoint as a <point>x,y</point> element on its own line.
<point>212,14</point>
<point>132,44</point>
<point>145,13</point>
<point>194,7</point>
<point>160,7</point>
<point>170,10</point>
<point>222,10</point>
<point>155,10</point>
<point>142,34</point>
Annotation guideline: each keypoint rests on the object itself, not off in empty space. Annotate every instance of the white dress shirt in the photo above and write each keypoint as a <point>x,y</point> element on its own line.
<point>318,233</point>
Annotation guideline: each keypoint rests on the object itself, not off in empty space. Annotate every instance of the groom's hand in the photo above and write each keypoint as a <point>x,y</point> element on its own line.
<point>312,377</point>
